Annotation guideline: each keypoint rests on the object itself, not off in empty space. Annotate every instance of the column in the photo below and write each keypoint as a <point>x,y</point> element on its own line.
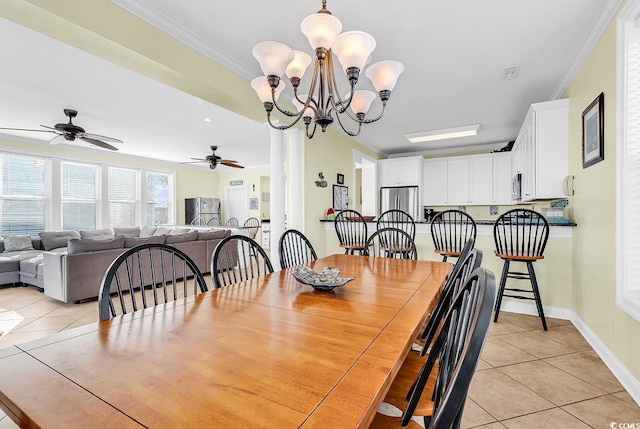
<point>277,200</point>
<point>295,140</point>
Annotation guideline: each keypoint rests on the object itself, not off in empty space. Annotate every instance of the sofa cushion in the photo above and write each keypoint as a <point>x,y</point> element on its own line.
<point>147,231</point>
<point>9,265</point>
<point>181,238</point>
<point>130,232</point>
<point>82,246</point>
<point>161,230</point>
<point>51,240</point>
<point>137,241</point>
<point>212,235</point>
<point>96,234</point>
<point>13,243</point>
<point>30,265</point>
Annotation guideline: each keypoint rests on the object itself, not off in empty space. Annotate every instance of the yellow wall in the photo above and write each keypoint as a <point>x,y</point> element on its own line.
<point>594,202</point>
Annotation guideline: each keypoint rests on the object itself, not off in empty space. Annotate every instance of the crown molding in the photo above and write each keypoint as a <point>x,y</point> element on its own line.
<point>608,11</point>
<point>147,13</point>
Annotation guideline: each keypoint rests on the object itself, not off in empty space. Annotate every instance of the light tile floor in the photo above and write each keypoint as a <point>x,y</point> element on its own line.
<point>526,378</point>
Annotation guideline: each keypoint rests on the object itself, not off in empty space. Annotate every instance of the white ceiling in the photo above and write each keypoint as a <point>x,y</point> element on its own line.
<point>454,54</point>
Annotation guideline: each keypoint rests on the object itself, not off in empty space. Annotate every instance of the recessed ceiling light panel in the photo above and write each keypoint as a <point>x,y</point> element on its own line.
<point>443,133</point>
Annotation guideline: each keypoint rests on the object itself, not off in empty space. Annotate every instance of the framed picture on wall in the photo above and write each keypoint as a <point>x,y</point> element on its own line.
<point>593,132</point>
<point>340,179</point>
<point>340,197</point>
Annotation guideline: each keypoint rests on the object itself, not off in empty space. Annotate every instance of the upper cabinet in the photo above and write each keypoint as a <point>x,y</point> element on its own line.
<point>467,180</point>
<point>541,150</point>
<point>405,171</point>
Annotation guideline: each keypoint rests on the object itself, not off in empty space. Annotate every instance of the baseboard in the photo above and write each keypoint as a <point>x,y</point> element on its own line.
<point>628,381</point>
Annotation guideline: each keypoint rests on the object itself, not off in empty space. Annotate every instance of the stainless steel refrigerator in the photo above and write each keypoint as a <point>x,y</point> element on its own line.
<point>403,198</point>
<point>206,211</point>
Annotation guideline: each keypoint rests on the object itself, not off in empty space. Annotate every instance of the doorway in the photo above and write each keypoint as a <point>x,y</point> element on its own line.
<point>365,177</point>
<point>236,203</point>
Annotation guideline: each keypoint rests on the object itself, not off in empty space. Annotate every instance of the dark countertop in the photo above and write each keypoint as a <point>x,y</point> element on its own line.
<point>478,222</point>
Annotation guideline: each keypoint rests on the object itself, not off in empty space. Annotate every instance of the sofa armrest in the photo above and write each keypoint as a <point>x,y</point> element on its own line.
<point>54,284</point>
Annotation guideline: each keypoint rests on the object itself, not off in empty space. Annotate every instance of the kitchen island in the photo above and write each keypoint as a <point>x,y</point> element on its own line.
<point>553,272</point>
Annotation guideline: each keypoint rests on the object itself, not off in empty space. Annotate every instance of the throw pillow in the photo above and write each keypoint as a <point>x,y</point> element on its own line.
<point>181,238</point>
<point>147,231</point>
<point>52,240</point>
<point>212,235</point>
<point>96,234</point>
<point>130,232</point>
<point>161,230</point>
<point>136,241</point>
<point>179,231</point>
<point>14,243</point>
<point>81,246</point>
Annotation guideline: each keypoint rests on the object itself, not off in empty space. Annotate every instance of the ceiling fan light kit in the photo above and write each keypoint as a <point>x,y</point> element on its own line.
<point>68,131</point>
<point>214,160</point>
<point>322,103</point>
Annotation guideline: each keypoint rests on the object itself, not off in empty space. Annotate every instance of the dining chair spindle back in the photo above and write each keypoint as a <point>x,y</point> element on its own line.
<point>237,258</point>
<point>294,248</point>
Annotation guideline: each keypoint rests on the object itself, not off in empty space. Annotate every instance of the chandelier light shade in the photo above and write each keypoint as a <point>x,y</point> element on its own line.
<point>322,103</point>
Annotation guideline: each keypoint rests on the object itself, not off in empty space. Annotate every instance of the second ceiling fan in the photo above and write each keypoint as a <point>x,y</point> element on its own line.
<point>213,160</point>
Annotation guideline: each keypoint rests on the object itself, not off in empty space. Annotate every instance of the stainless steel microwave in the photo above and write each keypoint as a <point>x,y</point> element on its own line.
<point>516,187</point>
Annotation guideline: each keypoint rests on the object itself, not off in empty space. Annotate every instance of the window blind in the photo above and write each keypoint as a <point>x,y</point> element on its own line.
<point>123,184</point>
<point>79,196</point>
<point>22,197</point>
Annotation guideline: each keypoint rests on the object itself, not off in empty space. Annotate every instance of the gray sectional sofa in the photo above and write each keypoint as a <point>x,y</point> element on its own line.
<point>69,265</point>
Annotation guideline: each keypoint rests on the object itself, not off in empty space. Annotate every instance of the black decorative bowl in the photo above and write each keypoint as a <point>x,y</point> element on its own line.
<point>326,280</point>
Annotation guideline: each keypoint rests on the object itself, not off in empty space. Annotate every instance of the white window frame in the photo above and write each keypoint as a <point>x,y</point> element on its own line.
<point>97,201</point>
<point>137,198</point>
<point>172,195</point>
<point>627,288</point>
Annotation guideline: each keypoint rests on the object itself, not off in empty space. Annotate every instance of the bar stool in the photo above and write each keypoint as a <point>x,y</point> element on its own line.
<point>520,235</point>
<point>351,229</point>
<point>450,230</point>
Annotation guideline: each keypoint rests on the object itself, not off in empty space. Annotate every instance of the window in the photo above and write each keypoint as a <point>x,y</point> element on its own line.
<point>22,194</point>
<point>158,207</point>
<point>628,160</point>
<point>38,194</point>
<point>123,185</point>
<point>79,205</point>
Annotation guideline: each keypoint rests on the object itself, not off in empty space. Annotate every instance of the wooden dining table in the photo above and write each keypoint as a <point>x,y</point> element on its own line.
<point>268,352</point>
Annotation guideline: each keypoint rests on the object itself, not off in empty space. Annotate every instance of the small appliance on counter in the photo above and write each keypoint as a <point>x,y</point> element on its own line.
<point>558,212</point>
<point>429,214</point>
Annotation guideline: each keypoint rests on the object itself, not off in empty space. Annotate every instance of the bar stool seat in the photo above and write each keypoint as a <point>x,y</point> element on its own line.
<point>520,235</point>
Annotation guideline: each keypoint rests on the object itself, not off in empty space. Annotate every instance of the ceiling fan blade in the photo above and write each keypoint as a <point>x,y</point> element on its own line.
<point>97,142</point>
<point>230,161</point>
<point>194,162</point>
<point>50,128</point>
<point>99,137</point>
<point>58,139</point>
<point>25,129</point>
<point>228,164</point>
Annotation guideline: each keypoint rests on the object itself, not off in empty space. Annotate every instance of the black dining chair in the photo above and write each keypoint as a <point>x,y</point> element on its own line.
<point>252,224</point>
<point>147,275</point>
<point>237,258</point>
<point>520,235</point>
<point>295,249</point>
<point>437,387</point>
<point>232,222</point>
<point>391,243</point>
<point>450,231</point>
<point>351,229</point>
<point>395,218</point>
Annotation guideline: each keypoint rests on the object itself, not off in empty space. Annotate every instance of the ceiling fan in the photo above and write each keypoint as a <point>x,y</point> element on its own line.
<point>214,160</point>
<point>70,131</point>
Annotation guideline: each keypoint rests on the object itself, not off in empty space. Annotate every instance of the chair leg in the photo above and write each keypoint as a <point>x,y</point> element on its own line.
<point>503,283</point>
<point>444,258</point>
<point>536,294</point>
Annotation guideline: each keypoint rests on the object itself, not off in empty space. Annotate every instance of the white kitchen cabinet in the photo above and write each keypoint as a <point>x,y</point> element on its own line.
<point>502,175</point>
<point>468,180</point>
<point>434,184</point>
<point>542,149</point>
<point>458,179</point>
<point>406,171</point>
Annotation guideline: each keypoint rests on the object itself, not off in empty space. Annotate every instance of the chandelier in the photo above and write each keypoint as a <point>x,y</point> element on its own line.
<point>322,102</point>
